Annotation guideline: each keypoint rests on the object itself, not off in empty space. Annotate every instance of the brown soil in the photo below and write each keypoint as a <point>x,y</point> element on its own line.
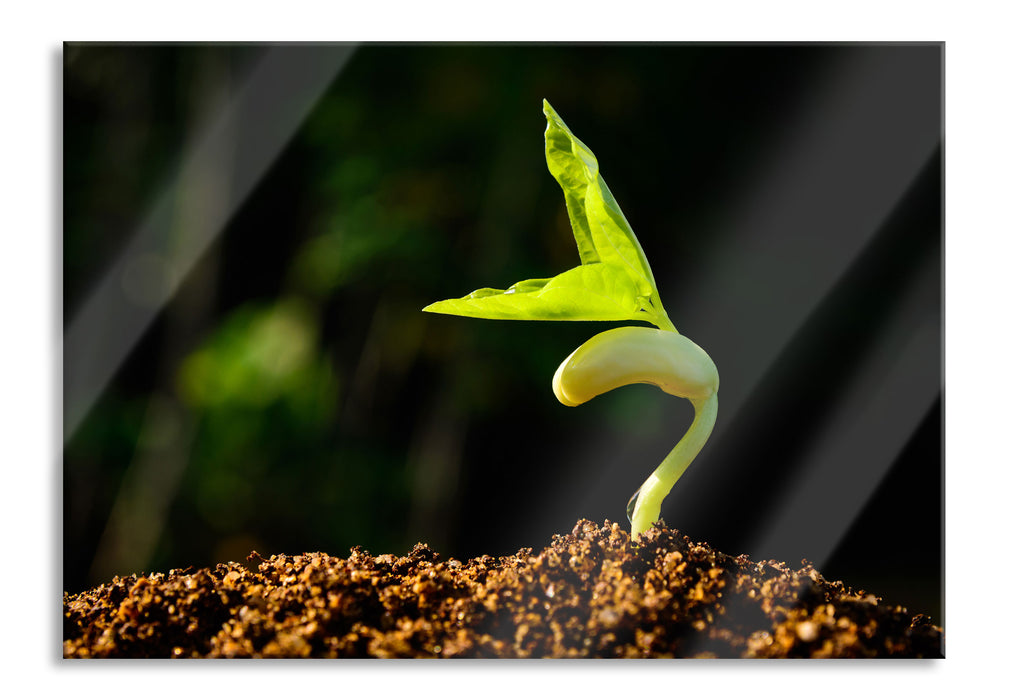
<point>589,594</point>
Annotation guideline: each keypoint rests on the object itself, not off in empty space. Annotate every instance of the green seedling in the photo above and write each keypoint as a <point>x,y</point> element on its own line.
<point>613,283</point>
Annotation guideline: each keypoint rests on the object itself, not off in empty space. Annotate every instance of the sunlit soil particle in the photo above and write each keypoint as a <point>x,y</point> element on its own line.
<point>589,594</point>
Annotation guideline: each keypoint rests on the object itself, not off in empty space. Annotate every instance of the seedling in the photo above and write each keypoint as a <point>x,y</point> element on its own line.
<point>613,283</point>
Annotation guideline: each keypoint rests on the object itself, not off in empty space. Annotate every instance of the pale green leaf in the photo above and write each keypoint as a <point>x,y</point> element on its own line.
<point>568,159</point>
<point>597,292</point>
<point>614,281</point>
<point>600,228</point>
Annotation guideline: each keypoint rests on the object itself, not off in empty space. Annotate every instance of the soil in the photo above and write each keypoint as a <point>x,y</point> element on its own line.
<point>589,594</point>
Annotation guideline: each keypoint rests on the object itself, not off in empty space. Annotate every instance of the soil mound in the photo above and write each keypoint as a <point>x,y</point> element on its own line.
<point>589,594</point>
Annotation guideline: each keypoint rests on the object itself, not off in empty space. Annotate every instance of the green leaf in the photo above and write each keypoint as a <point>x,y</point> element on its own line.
<point>597,292</point>
<point>600,227</point>
<point>568,159</point>
<point>614,281</point>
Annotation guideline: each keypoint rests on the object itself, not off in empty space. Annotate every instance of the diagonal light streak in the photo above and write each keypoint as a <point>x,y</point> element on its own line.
<point>881,408</point>
<point>847,465</point>
<point>813,210</point>
<point>242,140</point>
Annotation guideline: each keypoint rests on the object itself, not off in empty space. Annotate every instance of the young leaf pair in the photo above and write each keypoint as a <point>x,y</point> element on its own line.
<point>613,283</point>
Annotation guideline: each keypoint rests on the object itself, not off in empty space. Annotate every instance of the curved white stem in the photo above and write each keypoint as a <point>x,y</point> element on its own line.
<point>638,355</point>
<point>647,503</point>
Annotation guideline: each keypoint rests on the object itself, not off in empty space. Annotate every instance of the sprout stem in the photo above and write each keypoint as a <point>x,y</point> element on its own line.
<point>658,485</point>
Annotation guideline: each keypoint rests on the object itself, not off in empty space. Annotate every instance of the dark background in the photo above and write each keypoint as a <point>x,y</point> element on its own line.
<point>290,396</point>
